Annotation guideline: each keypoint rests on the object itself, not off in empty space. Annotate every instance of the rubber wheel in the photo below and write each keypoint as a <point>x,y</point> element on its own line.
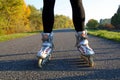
<point>84,58</point>
<point>40,63</point>
<point>91,62</point>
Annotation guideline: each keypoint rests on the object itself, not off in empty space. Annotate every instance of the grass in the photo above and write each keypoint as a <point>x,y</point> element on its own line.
<point>14,36</point>
<point>106,34</point>
<point>100,33</point>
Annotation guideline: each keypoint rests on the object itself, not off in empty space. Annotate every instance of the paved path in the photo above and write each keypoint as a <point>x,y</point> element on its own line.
<point>18,59</point>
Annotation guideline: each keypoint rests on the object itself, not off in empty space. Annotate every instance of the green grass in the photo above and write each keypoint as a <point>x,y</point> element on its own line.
<point>14,36</point>
<point>106,34</point>
<point>100,33</point>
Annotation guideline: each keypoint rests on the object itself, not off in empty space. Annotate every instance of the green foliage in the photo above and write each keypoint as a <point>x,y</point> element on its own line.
<point>105,21</point>
<point>106,34</point>
<point>92,24</point>
<point>105,24</point>
<point>17,17</point>
<point>14,36</point>
<point>13,16</point>
<point>115,20</point>
<point>62,21</point>
<point>35,19</point>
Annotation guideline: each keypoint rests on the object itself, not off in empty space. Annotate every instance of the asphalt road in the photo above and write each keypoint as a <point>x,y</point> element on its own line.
<point>18,59</point>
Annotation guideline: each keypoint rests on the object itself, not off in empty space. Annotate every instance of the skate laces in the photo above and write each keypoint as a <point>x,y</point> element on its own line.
<point>47,39</point>
<point>82,43</point>
<point>81,38</point>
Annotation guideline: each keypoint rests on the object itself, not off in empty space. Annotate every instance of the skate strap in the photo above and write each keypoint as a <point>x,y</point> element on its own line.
<point>46,44</point>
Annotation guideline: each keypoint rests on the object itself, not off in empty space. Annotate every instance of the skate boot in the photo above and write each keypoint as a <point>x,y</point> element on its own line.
<point>44,55</point>
<point>85,50</point>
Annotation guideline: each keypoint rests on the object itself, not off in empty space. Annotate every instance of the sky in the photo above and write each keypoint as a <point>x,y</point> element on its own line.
<point>94,9</point>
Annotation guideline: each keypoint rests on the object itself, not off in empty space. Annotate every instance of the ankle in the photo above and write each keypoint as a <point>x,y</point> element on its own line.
<point>47,37</point>
<point>82,34</point>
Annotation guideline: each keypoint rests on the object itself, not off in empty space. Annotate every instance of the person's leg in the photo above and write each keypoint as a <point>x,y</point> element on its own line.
<point>47,35</point>
<point>78,14</point>
<point>81,39</point>
<point>78,20</point>
<point>48,15</point>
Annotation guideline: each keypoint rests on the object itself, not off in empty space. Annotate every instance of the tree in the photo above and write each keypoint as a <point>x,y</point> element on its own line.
<point>105,21</point>
<point>92,23</point>
<point>115,20</point>
<point>14,15</point>
<point>62,21</point>
<point>35,19</point>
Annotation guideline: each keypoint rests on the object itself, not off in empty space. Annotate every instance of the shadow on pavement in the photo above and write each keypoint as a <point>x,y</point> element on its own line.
<point>31,65</point>
<point>63,65</point>
<point>17,54</point>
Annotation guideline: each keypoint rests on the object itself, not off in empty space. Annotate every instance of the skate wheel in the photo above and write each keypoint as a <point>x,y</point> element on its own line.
<point>88,60</point>
<point>84,58</point>
<point>49,57</point>
<point>40,63</point>
<point>91,62</point>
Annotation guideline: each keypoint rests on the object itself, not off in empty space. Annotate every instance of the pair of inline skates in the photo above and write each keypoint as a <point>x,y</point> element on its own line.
<point>44,55</point>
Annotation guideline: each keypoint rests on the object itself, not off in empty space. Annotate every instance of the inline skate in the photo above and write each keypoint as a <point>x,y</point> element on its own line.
<point>44,55</point>
<point>83,47</point>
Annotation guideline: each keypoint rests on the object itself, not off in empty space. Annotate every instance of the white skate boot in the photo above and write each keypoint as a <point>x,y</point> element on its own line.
<point>82,46</point>
<point>46,50</point>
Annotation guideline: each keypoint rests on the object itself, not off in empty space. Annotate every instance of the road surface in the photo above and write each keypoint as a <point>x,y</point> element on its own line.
<point>18,59</point>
